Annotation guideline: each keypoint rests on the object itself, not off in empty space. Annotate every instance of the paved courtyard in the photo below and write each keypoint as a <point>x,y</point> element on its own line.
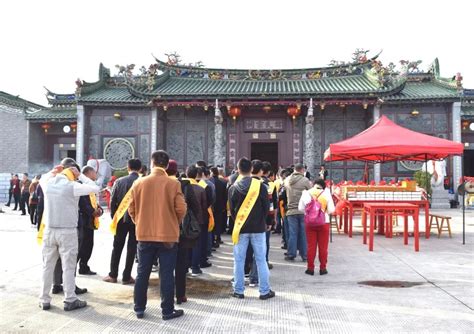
<point>438,297</point>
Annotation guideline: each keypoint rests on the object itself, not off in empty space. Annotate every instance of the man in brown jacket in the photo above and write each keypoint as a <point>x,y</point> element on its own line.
<point>157,208</point>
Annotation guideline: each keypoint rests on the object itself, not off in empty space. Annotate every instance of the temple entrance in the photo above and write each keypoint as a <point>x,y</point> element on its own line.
<point>265,152</point>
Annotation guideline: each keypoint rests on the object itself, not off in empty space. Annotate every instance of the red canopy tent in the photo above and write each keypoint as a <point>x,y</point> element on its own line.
<point>386,141</point>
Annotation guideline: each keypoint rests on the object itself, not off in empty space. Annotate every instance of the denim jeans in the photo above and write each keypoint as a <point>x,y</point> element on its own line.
<point>297,236</point>
<point>147,253</point>
<point>257,240</point>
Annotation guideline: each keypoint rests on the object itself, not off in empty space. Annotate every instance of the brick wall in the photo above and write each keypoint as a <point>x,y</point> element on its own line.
<point>13,142</point>
<point>4,185</point>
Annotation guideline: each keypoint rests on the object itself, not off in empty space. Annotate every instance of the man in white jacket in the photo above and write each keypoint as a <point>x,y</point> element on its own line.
<point>61,200</point>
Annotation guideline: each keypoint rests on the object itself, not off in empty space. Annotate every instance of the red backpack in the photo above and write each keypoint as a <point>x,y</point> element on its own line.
<point>313,213</point>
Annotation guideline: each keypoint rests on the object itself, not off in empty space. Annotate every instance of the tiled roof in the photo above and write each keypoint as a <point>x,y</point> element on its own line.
<point>348,85</point>
<point>16,101</point>
<point>424,91</point>
<point>60,114</point>
<point>111,95</point>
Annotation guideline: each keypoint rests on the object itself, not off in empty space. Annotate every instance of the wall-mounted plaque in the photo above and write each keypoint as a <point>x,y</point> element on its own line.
<point>264,125</point>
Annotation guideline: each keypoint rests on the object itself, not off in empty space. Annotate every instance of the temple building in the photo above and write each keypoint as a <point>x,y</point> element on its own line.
<point>219,115</point>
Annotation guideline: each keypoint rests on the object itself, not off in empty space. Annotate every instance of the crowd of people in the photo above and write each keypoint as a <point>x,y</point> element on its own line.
<point>173,222</point>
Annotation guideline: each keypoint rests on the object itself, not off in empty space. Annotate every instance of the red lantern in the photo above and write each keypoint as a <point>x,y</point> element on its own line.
<point>74,127</point>
<point>293,112</point>
<point>46,126</point>
<point>234,112</point>
<point>465,124</point>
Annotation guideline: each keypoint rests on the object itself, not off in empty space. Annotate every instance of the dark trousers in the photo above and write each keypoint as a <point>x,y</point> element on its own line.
<point>33,208</point>
<point>147,252</point>
<point>10,194</point>
<point>85,251</point>
<point>221,222</point>
<point>199,253</point>
<point>182,265</point>
<point>16,198</point>
<point>123,229</point>
<point>278,224</point>
<point>24,203</point>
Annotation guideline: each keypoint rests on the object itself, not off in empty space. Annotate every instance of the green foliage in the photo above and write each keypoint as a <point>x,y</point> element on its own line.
<point>120,173</point>
<point>423,179</point>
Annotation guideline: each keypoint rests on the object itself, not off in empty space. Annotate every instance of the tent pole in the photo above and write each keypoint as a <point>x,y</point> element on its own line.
<point>463,202</point>
<point>330,193</point>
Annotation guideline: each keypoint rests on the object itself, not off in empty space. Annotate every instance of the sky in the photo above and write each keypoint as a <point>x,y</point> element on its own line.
<point>52,43</point>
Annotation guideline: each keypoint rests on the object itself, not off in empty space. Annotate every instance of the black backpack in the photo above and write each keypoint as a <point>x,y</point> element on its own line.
<point>190,228</point>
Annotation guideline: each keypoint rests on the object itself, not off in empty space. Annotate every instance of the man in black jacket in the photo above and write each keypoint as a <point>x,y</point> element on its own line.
<point>252,230</point>
<point>88,215</point>
<point>220,206</point>
<point>125,226</point>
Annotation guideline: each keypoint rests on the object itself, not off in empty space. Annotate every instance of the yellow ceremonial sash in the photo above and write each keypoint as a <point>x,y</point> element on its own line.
<point>271,187</point>
<point>93,199</point>
<point>122,208</point>
<point>212,223</point>
<point>39,237</point>
<point>245,209</point>
<point>239,177</point>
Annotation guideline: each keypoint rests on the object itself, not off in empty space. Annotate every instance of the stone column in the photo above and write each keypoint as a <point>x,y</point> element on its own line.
<point>219,149</point>
<point>154,128</point>
<point>309,158</point>
<point>376,116</point>
<point>80,135</point>
<point>457,161</point>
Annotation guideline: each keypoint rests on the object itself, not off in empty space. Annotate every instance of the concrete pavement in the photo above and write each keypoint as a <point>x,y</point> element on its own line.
<point>442,302</point>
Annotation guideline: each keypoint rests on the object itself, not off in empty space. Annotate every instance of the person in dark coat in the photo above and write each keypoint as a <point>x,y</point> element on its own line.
<point>10,190</point>
<point>16,191</point>
<point>220,206</point>
<point>124,227</point>
<point>88,214</point>
<point>184,245</point>
<point>200,193</point>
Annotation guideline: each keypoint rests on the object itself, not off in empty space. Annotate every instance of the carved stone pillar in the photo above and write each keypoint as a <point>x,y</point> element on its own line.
<point>154,129</point>
<point>309,158</point>
<point>377,173</point>
<point>456,121</point>
<point>80,135</point>
<point>219,149</point>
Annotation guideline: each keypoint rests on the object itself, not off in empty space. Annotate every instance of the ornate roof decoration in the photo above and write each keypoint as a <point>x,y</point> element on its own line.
<point>360,78</point>
<point>63,107</point>
<point>15,104</point>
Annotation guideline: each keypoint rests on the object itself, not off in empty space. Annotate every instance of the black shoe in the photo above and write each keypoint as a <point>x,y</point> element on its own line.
<point>269,295</point>
<point>323,272</point>
<point>175,314</point>
<point>206,265</point>
<point>23,214</point>
<point>309,272</point>
<point>80,291</point>
<point>45,306</point>
<point>289,258</point>
<point>238,295</point>
<point>57,289</point>
<point>140,315</point>
<point>216,245</point>
<point>220,241</point>
<point>285,253</point>
<point>7,205</point>
<point>270,266</point>
<point>87,272</point>
<point>284,247</point>
<point>74,305</point>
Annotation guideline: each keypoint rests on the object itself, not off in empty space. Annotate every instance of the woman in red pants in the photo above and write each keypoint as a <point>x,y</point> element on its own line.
<point>317,236</point>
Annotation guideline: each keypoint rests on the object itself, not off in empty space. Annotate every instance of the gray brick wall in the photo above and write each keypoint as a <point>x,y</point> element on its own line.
<point>13,147</point>
<point>13,141</point>
<point>4,185</point>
